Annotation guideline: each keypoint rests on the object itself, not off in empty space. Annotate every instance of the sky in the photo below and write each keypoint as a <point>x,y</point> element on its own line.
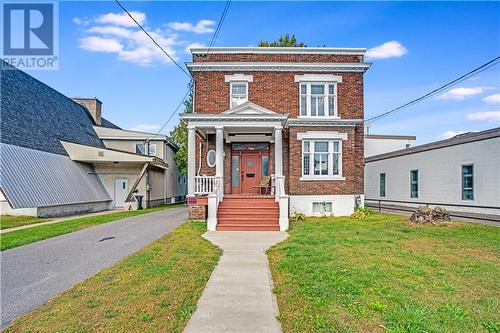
<point>414,47</point>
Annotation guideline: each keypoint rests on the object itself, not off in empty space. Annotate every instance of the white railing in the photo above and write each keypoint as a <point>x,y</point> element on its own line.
<point>214,199</point>
<point>282,199</point>
<point>204,184</point>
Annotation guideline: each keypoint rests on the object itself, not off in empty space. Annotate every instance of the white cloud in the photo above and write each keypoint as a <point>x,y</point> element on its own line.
<point>484,116</point>
<point>387,50</point>
<point>492,99</point>
<point>122,19</point>
<point>451,134</point>
<point>145,128</point>
<point>99,44</point>
<point>462,93</point>
<point>80,21</point>
<point>202,27</point>
<point>193,45</point>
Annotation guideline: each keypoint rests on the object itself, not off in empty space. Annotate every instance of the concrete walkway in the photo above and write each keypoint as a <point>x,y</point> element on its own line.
<point>238,297</point>
<point>60,219</point>
<point>33,273</point>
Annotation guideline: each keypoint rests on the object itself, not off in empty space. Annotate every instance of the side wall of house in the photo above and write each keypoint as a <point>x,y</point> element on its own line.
<point>440,176</point>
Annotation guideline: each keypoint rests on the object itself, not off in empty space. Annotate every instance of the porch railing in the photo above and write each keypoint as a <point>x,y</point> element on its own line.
<point>204,184</point>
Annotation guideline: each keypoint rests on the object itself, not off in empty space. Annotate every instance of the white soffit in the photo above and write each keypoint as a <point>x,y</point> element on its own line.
<point>318,78</point>
<point>321,135</point>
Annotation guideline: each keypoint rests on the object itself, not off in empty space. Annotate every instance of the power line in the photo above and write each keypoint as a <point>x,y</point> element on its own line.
<point>475,71</point>
<point>212,42</point>
<point>154,41</point>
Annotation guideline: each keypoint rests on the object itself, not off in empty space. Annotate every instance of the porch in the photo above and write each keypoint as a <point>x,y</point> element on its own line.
<point>230,155</point>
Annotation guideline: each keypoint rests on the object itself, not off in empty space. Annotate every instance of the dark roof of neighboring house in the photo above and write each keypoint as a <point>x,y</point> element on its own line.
<point>390,137</point>
<point>456,140</point>
<point>108,124</point>
<point>36,116</point>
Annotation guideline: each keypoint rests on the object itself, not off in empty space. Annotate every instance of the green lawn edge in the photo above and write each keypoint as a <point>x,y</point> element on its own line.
<point>13,221</point>
<point>12,239</point>
<point>382,274</point>
<point>155,289</point>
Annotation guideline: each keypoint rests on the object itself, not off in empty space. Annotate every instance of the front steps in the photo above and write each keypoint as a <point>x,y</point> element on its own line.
<point>248,213</point>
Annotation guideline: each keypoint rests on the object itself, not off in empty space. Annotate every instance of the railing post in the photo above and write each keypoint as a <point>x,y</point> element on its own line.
<point>191,167</point>
<point>283,220</point>
<point>212,212</point>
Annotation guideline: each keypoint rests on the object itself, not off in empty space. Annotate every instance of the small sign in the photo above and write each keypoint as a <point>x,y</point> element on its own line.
<point>191,200</point>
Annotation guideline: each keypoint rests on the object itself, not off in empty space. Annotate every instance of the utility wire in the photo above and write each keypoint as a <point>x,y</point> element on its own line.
<point>154,41</point>
<point>212,42</point>
<point>475,71</point>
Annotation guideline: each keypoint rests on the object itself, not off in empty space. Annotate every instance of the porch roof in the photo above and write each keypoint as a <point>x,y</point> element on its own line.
<point>247,113</point>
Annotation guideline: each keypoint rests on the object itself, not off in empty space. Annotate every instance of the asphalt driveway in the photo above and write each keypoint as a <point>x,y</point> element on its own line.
<point>33,273</point>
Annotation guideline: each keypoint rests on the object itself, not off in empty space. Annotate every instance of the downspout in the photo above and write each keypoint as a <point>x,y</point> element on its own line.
<point>199,164</point>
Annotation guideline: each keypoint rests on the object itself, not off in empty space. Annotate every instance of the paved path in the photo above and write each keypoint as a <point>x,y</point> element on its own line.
<point>238,297</point>
<point>60,219</point>
<point>33,273</point>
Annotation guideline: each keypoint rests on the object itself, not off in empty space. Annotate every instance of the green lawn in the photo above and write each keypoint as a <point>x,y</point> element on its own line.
<point>11,221</point>
<point>154,290</point>
<point>383,275</point>
<point>26,236</point>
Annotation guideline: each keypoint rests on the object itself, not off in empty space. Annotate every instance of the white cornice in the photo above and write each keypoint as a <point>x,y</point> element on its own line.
<point>278,66</point>
<point>279,50</point>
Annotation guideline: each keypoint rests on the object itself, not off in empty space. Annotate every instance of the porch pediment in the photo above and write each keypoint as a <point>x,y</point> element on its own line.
<point>249,108</point>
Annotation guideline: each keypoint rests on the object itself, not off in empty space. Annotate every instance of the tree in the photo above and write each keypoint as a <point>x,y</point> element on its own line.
<point>179,136</point>
<point>284,41</point>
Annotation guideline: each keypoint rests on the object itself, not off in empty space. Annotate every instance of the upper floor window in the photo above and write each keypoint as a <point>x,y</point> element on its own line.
<point>239,93</point>
<point>142,148</point>
<point>318,99</point>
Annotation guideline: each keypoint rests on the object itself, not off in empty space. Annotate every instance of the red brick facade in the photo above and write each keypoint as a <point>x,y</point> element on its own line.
<point>278,91</point>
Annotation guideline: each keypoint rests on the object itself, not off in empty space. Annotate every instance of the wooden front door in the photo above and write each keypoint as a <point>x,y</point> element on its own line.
<point>250,172</point>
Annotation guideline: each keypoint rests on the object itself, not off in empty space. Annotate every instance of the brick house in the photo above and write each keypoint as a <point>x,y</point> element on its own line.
<point>294,115</point>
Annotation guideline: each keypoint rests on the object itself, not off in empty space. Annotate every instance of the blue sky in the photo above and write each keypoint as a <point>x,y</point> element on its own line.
<point>416,47</point>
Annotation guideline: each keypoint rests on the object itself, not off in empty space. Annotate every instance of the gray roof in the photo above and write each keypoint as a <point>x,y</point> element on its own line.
<point>108,124</point>
<point>456,140</point>
<point>36,116</point>
<point>34,178</point>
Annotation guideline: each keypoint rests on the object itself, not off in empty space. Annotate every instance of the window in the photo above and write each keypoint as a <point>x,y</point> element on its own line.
<point>211,158</point>
<point>265,165</point>
<point>239,93</point>
<point>318,99</point>
<point>321,158</point>
<point>414,183</point>
<point>322,208</point>
<point>468,182</point>
<point>140,148</point>
<point>382,184</point>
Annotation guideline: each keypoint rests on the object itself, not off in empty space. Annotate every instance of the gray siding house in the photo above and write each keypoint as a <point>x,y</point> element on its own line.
<point>53,162</point>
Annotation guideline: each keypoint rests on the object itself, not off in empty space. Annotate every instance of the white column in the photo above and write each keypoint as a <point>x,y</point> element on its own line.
<point>191,159</point>
<point>278,151</point>
<point>219,158</point>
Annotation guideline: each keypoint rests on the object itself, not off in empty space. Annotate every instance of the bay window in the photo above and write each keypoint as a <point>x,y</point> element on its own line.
<point>318,99</point>
<point>322,159</point>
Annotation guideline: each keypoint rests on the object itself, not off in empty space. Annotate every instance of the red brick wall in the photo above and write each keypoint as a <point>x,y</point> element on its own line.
<point>352,164</point>
<point>278,58</point>
<point>276,91</point>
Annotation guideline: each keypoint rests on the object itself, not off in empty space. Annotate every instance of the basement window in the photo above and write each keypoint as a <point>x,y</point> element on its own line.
<point>322,208</point>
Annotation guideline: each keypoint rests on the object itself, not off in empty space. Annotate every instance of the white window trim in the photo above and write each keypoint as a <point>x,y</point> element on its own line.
<point>321,135</point>
<point>325,100</point>
<point>318,78</point>
<point>231,92</point>
<point>330,176</point>
<point>238,77</point>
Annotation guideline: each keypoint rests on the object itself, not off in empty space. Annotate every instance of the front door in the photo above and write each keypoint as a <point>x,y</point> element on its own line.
<point>250,172</point>
<point>121,191</point>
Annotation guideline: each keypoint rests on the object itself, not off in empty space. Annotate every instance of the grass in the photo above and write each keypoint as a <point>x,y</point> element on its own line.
<point>383,275</point>
<point>26,236</point>
<point>11,221</point>
<point>154,290</point>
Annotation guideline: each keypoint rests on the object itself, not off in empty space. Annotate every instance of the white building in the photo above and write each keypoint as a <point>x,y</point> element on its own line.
<point>376,144</point>
<point>461,174</point>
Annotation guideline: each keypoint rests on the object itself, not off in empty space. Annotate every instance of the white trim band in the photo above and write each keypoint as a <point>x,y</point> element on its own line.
<point>238,77</point>
<point>278,66</point>
<point>330,135</point>
<point>318,78</point>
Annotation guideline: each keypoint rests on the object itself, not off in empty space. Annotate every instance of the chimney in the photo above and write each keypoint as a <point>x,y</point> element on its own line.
<point>93,106</point>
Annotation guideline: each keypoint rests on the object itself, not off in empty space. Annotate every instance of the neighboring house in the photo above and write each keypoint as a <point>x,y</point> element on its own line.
<point>376,144</point>
<point>460,174</point>
<point>294,114</point>
<point>54,163</point>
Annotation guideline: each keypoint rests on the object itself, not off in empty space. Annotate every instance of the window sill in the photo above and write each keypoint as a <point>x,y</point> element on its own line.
<point>320,178</point>
<point>319,117</point>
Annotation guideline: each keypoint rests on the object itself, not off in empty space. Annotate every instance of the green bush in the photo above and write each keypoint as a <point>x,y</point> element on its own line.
<point>361,213</point>
<point>297,217</point>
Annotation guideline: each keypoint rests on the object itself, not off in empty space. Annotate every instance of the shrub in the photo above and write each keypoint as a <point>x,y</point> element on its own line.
<point>297,217</point>
<point>361,213</point>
